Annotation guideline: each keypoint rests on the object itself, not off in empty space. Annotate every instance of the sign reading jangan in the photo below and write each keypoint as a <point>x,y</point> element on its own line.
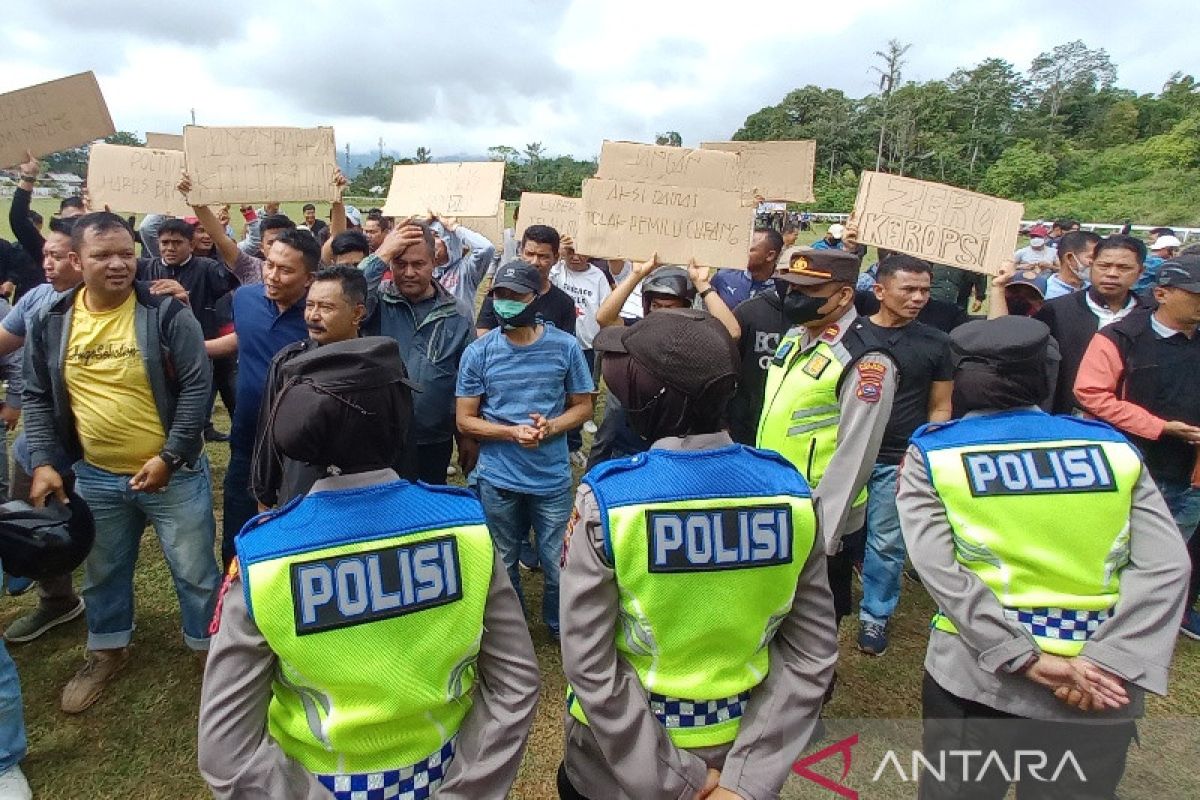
<point>939,223</point>
<point>259,165</point>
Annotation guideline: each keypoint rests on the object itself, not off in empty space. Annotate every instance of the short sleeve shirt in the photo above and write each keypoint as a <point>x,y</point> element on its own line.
<point>514,381</point>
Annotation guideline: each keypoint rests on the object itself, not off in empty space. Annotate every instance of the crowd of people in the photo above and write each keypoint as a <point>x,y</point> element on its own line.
<point>768,431</point>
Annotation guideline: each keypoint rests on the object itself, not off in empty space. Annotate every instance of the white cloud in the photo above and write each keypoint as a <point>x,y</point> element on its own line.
<point>461,77</point>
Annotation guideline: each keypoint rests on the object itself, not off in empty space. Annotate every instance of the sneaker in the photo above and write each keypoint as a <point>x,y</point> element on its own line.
<point>13,785</point>
<point>40,620</point>
<point>83,690</point>
<point>578,459</point>
<point>1191,624</point>
<point>590,427</point>
<point>872,638</point>
<point>16,586</point>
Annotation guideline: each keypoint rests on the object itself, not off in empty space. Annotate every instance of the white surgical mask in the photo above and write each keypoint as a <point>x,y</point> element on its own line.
<point>1036,242</point>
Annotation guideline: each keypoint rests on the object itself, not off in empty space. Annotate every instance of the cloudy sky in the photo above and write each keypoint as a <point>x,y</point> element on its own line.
<point>458,77</point>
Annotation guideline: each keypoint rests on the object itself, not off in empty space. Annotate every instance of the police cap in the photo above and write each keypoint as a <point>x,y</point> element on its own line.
<point>809,267</point>
<point>685,348</point>
<point>1008,344</point>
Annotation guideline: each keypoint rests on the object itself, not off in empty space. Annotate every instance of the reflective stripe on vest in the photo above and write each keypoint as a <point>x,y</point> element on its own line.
<point>417,782</point>
<point>373,601</point>
<point>1039,507</point>
<point>706,548</point>
<point>801,413</point>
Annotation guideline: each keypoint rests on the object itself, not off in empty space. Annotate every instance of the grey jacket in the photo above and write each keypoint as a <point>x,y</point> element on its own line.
<point>176,366</point>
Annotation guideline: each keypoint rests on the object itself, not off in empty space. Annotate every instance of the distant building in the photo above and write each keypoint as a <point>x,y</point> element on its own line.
<point>66,183</point>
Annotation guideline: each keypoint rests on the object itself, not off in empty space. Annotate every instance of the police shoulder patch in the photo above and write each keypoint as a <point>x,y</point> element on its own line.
<point>870,380</point>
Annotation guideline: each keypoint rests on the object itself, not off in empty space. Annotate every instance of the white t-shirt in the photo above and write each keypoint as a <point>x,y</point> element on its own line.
<point>588,289</point>
<point>1027,255</point>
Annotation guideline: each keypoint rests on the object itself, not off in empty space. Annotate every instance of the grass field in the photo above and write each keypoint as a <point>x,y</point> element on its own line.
<point>139,740</point>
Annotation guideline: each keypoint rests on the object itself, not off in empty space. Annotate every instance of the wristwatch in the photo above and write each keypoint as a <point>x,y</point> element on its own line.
<point>172,461</point>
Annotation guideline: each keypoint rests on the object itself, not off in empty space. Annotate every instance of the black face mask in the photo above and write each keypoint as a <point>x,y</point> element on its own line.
<point>799,308</point>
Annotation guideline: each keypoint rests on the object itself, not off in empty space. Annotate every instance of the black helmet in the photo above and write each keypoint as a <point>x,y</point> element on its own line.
<point>668,281</point>
<point>40,543</point>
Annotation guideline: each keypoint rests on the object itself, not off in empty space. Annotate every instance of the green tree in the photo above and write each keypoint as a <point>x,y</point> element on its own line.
<point>984,100</point>
<point>889,77</point>
<point>423,156</point>
<point>669,139</point>
<point>1021,171</point>
<point>1069,68</point>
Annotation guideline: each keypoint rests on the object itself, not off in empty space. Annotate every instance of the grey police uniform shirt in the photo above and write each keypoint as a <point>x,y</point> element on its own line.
<point>239,759</point>
<point>865,402</point>
<point>978,663</point>
<point>625,753</point>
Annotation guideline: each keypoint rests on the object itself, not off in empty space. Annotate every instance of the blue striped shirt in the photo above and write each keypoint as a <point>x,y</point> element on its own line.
<point>515,381</point>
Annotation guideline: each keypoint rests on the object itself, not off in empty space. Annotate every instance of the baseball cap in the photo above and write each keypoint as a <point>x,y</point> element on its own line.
<point>837,230</point>
<point>519,276</point>
<point>1166,240</point>
<point>809,267</point>
<point>1181,272</point>
<point>1038,231</point>
<point>1031,277</point>
<point>686,348</point>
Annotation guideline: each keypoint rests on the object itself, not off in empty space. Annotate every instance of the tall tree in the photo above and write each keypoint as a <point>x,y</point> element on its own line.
<point>889,78</point>
<point>1068,67</point>
<point>423,155</point>
<point>985,99</point>
<point>669,139</point>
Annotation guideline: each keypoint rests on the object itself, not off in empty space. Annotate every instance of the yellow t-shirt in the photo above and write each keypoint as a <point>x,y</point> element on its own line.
<point>114,409</point>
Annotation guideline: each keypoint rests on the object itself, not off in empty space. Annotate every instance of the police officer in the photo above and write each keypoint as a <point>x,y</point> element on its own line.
<point>369,643</point>
<point>696,630</point>
<point>828,397</point>
<point>1058,573</point>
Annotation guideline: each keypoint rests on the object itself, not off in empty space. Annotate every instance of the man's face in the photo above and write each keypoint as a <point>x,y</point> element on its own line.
<point>268,240</point>
<point>577,262</point>
<point>660,301</point>
<point>1023,300</point>
<point>285,276</point>
<point>175,248</point>
<point>504,293</point>
<point>374,231</point>
<point>412,272</point>
<point>1180,306</point>
<point>1080,263</point>
<point>61,272</point>
<point>352,258</point>
<point>789,238</point>
<point>903,294</point>
<point>1164,252</point>
<point>107,261</point>
<point>271,208</point>
<point>761,255</point>
<point>329,315</point>
<point>201,240</point>
<point>832,293</point>
<point>1114,272</point>
<point>541,254</point>
<point>310,216</point>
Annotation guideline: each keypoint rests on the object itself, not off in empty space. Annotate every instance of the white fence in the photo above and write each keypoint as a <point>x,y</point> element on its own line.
<point>1184,234</point>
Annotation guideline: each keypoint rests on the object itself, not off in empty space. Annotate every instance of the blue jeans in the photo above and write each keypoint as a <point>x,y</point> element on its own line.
<point>1184,504</point>
<point>510,515</point>
<point>239,504</point>
<point>12,711</point>
<point>182,516</point>
<point>884,560</point>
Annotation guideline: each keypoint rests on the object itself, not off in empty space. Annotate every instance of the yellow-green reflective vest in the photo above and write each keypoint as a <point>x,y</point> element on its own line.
<point>706,547</point>
<point>801,413</point>
<point>373,601</point>
<point>1039,506</point>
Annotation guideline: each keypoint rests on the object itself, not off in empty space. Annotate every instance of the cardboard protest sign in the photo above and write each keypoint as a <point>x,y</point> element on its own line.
<point>164,141</point>
<point>938,223</point>
<point>669,166</point>
<point>560,213</point>
<point>259,165</point>
<point>633,220</point>
<point>138,180</point>
<point>774,170</point>
<point>52,116</point>
<point>491,228</point>
<point>456,189</point>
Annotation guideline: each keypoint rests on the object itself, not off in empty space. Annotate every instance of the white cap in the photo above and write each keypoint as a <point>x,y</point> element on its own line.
<point>837,230</point>
<point>1166,241</point>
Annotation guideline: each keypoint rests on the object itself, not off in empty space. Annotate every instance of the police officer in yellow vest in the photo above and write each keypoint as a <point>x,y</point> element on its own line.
<point>697,637</point>
<point>828,396</point>
<point>369,643</point>
<point>1057,569</point>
